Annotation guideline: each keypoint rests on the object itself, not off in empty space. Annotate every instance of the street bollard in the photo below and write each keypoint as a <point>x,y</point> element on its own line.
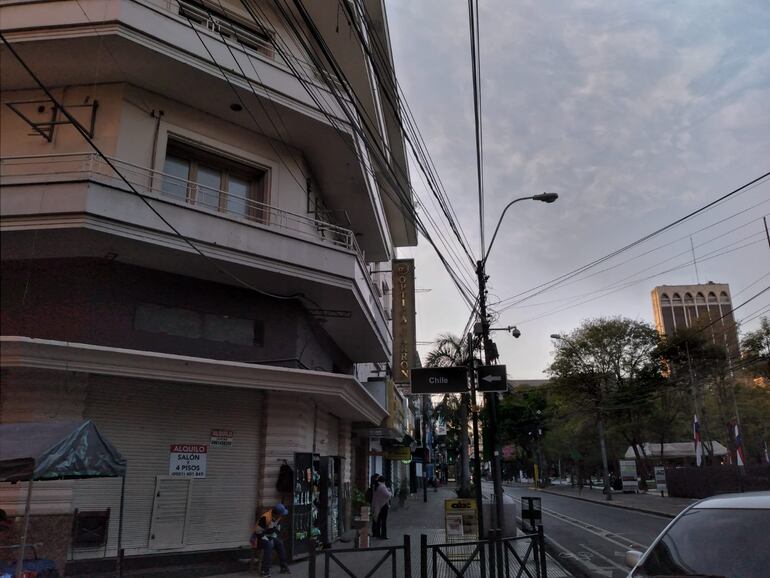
<point>423,556</point>
<point>311,560</point>
<point>541,541</point>
<point>491,559</point>
<point>499,552</point>
<point>407,556</point>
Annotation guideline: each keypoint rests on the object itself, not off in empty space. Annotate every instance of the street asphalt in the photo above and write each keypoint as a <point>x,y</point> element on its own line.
<point>593,537</point>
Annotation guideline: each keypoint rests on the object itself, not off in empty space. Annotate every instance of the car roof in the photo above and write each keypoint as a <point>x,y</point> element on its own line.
<point>748,500</point>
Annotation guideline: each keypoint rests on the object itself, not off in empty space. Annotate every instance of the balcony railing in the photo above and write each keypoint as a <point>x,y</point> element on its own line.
<point>57,168</point>
<point>155,184</point>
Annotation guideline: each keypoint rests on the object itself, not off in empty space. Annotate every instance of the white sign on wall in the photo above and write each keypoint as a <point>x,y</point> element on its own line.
<point>187,460</point>
<point>221,438</point>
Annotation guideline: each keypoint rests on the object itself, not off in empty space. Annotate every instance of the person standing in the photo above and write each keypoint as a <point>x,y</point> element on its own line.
<point>266,537</point>
<point>380,506</point>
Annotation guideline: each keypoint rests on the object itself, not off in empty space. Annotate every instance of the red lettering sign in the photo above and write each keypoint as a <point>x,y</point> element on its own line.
<point>189,448</point>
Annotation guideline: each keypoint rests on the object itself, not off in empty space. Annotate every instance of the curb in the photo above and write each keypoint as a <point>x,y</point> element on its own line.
<point>611,505</point>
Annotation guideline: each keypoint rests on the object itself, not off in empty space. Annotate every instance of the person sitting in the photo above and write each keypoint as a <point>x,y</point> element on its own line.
<point>266,537</point>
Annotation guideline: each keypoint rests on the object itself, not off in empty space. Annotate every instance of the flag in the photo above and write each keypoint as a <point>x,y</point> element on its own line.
<point>696,440</point>
<point>739,447</point>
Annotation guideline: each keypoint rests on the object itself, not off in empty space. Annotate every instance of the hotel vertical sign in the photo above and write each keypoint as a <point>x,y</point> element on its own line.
<point>404,335</point>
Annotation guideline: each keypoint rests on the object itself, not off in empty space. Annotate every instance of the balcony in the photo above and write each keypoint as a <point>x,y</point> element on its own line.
<point>76,205</point>
<point>150,45</point>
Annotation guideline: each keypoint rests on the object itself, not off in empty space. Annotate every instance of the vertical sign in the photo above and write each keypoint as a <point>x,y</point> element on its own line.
<point>404,336</point>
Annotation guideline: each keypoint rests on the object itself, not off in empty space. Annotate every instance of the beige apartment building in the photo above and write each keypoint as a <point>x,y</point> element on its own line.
<point>218,277</point>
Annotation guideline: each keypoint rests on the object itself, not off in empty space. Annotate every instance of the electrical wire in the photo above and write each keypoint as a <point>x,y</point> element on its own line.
<point>625,285</point>
<point>141,196</point>
<point>653,250</point>
<point>557,281</point>
<point>342,81</point>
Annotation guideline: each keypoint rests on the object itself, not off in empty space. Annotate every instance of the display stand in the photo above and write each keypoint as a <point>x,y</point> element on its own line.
<point>305,504</point>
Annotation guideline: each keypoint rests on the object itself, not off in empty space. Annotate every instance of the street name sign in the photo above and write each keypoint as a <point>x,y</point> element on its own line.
<point>493,378</point>
<point>439,380</point>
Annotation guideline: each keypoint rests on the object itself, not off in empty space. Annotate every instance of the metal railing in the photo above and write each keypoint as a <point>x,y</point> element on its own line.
<point>69,167</point>
<point>376,558</point>
<point>150,183</point>
<point>495,557</point>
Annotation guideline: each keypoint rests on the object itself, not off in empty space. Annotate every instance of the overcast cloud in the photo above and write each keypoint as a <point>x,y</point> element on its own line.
<point>635,113</point>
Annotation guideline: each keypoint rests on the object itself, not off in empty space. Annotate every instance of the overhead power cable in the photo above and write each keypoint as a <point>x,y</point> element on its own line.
<point>653,250</point>
<point>548,285</point>
<point>394,97</point>
<point>625,285</point>
<point>142,197</point>
<point>225,75</point>
<point>374,147</point>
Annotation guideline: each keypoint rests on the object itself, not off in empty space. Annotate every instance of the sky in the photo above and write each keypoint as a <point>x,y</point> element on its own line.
<point>635,113</point>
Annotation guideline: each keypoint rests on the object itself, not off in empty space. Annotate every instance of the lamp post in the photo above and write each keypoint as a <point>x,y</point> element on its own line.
<point>599,423</point>
<point>490,353</point>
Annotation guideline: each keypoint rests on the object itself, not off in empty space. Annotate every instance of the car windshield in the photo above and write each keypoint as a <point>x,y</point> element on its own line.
<point>713,542</point>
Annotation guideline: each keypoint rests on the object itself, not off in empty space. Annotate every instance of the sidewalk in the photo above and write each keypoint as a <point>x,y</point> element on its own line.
<point>650,502</point>
<point>415,518</point>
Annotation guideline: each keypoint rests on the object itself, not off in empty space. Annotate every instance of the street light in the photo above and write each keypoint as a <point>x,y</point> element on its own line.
<point>600,426</point>
<point>490,353</point>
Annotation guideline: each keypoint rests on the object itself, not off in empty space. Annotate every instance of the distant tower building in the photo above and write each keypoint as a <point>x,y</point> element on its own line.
<point>679,306</point>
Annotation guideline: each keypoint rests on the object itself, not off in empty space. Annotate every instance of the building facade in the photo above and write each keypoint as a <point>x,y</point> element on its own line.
<point>198,217</point>
<point>707,306</point>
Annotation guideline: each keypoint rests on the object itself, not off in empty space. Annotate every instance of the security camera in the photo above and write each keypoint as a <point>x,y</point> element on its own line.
<point>515,331</point>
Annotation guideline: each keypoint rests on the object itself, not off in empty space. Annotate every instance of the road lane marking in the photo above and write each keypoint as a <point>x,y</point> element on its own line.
<point>597,531</point>
<point>592,568</point>
<point>608,560</point>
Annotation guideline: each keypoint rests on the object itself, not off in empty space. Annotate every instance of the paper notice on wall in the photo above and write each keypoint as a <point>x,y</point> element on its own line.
<point>221,438</point>
<point>187,460</point>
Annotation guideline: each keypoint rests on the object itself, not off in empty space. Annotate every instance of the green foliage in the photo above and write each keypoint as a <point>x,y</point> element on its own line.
<point>756,349</point>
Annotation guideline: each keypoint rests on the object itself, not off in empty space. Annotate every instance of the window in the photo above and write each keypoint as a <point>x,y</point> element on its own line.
<point>213,182</point>
<point>197,325</point>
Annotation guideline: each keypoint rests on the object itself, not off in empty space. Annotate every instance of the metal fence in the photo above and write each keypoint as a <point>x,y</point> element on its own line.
<point>495,557</point>
<point>363,562</point>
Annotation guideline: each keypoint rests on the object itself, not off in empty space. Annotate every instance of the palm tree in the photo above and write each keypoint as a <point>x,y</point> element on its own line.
<point>450,351</point>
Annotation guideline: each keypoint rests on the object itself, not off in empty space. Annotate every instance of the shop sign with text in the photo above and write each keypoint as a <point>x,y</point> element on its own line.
<point>221,438</point>
<point>404,335</point>
<point>187,460</point>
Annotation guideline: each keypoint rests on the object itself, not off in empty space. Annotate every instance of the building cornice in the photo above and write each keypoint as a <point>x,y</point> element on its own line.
<point>339,392</point>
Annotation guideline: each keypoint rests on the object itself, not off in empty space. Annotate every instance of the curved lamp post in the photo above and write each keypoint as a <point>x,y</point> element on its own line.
<point>489,354</point>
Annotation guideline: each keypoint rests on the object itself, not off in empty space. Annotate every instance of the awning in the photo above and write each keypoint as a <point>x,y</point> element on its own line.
<point>56,449</point>
<point>676,450</point>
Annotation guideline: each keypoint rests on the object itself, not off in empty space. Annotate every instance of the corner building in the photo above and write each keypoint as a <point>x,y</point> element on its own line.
<point>236,297</point>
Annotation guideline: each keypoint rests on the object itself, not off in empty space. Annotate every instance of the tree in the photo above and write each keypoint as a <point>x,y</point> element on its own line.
<point>756,349</point>
<point>608,369</point>
<point>449,351</point>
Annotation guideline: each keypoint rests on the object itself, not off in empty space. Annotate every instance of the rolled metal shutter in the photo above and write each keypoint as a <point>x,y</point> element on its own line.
<point>143,419</point>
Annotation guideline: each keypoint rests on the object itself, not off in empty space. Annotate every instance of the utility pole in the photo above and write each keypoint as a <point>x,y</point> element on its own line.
<point>489,357</point>
<point>424,404</point>
<point>476,454</point>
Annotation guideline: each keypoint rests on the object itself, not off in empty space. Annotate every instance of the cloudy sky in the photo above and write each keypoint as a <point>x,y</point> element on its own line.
<point>635,113</point>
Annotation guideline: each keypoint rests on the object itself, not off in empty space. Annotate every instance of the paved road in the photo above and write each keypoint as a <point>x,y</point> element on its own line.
<point>593,536</point>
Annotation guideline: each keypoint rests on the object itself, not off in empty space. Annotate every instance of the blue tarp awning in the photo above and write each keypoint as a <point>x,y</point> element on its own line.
<point>53,450</point>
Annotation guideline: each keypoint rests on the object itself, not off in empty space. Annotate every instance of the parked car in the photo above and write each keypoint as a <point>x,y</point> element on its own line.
<point>725,536</point>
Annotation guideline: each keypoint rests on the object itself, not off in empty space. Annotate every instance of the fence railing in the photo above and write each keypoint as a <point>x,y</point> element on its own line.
<point>152,183</point>
<point>495,557</point>
<point>375,559</point>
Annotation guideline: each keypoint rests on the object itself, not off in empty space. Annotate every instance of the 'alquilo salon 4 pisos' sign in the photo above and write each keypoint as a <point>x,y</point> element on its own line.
<point>187,460</point>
